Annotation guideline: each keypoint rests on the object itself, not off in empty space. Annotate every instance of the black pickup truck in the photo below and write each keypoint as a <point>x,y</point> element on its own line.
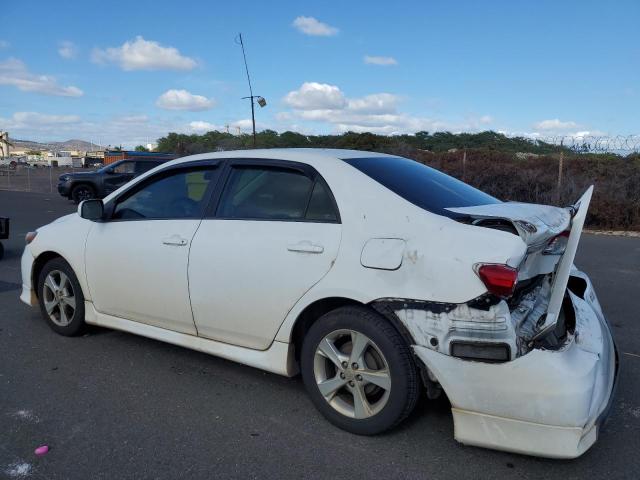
<point>79,186</point>
<point>4,233</point>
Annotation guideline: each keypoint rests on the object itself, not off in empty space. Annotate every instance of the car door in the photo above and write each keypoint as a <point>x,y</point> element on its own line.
<point>118,175</point>
<point>275,233</point>
<point>136,261</point>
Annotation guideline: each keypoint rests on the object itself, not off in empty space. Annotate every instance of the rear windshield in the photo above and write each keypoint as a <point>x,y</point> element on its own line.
<point>423,186</point>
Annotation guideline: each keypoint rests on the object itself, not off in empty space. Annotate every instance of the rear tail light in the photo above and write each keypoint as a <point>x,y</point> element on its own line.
<point>557,245</point>
<point>500,280</point>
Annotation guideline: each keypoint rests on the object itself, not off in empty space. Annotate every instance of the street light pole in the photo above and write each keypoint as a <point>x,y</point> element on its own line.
<point>261,101</point>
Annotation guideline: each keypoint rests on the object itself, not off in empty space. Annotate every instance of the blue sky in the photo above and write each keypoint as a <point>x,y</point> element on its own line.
<point>127,72</point>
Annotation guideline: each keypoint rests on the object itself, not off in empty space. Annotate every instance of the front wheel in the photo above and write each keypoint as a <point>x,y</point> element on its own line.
<point>82,192</point>
<point>359,371</point>
<point>60,297</point>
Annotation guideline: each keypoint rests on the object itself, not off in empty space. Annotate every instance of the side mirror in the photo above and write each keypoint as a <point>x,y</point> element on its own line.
<point>91,209</point>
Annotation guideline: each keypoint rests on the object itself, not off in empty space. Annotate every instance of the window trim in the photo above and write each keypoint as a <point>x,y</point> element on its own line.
<point>110,206</point>
<point>305,169</point>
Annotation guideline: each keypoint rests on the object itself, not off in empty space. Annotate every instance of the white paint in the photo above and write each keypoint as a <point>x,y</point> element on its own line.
<point>18,470</point>
<point>561,277</point>
<point>122,255</point>
<point>278,358</point>
<point>26,415</point>
<point>245,275</point>
<point>544,403</point>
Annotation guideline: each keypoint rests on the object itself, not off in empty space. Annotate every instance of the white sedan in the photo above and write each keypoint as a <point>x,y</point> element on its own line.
<point>374,276</point>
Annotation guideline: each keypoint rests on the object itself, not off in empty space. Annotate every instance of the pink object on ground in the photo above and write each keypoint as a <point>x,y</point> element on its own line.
<point>41,450</point>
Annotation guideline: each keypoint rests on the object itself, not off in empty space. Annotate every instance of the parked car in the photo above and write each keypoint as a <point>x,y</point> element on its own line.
<point>4,233</point>
<point>374,276</point>
<point>78,186</point>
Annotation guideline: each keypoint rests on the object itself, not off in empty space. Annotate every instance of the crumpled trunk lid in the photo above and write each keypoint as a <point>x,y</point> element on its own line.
<point>537,225</point>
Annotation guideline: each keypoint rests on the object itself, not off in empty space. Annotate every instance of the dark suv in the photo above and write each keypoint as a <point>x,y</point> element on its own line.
<point>79,186</point>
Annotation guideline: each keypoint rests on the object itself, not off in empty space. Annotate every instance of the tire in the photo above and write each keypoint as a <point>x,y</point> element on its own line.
<point>63,311</point>
<point>82,192</point>
<point>386,355</point>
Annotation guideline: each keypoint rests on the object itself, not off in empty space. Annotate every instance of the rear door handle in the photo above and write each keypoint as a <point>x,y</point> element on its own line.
<point>305,247</point>
<point>176,240</point>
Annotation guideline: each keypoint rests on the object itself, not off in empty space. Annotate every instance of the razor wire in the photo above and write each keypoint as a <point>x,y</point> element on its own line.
<point>618,144</point>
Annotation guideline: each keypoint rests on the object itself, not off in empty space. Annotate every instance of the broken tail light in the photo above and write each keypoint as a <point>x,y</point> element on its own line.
<point>557,245</point>
<point>500,280</point>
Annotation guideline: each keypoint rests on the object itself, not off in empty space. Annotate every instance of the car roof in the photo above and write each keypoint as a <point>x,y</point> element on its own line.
<point>293,154</point>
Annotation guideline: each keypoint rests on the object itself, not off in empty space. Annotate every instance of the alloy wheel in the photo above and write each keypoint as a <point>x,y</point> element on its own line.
<point>59,298</point>
<point>84,193</point>
<point>352,374</point>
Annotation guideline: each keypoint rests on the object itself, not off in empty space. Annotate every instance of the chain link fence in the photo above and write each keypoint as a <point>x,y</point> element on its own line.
<point>25,178</point>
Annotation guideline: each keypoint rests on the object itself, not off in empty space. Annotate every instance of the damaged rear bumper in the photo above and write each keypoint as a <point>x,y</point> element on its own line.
<point>549,403</point>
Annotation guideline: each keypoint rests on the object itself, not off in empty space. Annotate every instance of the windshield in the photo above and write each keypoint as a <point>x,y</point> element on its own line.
<point>423,186</point>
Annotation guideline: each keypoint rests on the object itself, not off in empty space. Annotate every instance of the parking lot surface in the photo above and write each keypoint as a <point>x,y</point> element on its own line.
<point>116,406</point>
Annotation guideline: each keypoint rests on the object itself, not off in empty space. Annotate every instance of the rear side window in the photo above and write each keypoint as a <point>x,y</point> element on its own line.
<point>423,186</point>
<point>265,193</point>
<point>321,207</point>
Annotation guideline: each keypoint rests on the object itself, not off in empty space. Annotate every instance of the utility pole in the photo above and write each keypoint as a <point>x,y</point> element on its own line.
<point>464,164</point>
<point>560,172</point>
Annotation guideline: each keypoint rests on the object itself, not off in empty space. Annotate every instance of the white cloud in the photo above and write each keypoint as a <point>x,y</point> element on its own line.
<point>184,100</point>
<point>314,27</point>
<point>554,124</point>
<point>4,44</point>
<point>141,54</point>
<point>381,61</point>
<point>201,126</point>
<point>67,49</point>
<point>21,119</point>
<point>313,95</point>
<point>120,129</point>
<point>377,113</point>
<point>376,104</point>
<point>14,72</point>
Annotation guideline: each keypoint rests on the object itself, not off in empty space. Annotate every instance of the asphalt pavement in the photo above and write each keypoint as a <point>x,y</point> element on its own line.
<point>116,406</point>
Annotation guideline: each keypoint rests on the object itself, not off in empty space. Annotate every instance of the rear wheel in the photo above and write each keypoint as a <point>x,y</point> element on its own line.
<point>60,297</point>
<point>82,192</point>
<point>359,371</point>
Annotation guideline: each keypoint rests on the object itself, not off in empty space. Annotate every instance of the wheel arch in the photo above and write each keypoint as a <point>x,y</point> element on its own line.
<point>312,312</point>
<point>39,263</point>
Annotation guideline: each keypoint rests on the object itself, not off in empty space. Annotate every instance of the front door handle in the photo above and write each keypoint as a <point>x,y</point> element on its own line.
<point>176,240</point>
<point>305,247</point>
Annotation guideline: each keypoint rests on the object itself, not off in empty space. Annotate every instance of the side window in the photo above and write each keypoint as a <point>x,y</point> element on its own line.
<point>142,167</point>
<point>175,194</point>
<point>124,167</point>
<point>265,193</point>
<point>321,207</point>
